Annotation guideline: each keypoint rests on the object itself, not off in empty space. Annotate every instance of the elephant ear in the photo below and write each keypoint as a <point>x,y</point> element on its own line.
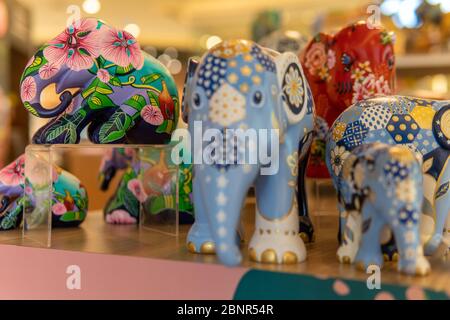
<point>441,127</point>
<point>293,86</point>
<point>191,67</point>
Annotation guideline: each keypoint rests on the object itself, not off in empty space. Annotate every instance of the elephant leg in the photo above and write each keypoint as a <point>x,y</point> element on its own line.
<point>276,239</point>
<point>411,259</point>
<point>305,227</point>
<point>351,235</point>
<point>114,129</point>
<point>369,252</point>
<point>199,238</point>
<point>442,209</point>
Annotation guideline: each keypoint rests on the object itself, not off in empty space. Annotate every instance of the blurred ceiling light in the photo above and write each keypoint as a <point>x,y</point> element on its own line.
<point>439,83</point>
<point>174,66</point>
<point>389,7</point>
<point>403,12</point>
<point>212,41</point>
<point>151,50</point>
<point>91,6</point>
<point>133,29</point>
<point>172,52</point>
<point>164,59</point>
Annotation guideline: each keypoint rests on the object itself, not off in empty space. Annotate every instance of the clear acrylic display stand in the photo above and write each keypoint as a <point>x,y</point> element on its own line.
<point>322,196</point>
<point>158,176</point>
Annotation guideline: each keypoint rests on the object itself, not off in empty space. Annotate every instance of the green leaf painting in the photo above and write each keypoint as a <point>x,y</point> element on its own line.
<point>115,128</point>
<point>150,78</point>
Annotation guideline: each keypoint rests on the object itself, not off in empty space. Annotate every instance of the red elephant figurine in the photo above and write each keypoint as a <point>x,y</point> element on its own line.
<point>354,64</point>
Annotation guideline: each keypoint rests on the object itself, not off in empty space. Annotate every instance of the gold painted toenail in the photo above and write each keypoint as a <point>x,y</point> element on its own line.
<point>304,237</point>
<point>290,258</point>
<point>346,260</point>
<point>208,248</point>
<point>269,256</point>
<point>360,266</point>
<point>422,272</point>
<point>191,247</point>
<point>252,254</point>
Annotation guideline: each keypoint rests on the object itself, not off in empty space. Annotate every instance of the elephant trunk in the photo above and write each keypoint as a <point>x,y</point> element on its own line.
<point>65,98</point>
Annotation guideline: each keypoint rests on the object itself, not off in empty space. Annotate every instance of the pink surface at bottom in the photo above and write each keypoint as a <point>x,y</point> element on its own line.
<point>35,273</point>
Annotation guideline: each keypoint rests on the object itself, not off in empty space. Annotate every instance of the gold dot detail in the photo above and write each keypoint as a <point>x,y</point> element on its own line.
<point>398,138</point>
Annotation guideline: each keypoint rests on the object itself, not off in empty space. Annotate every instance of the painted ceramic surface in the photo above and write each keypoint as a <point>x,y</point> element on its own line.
<point>156,191</point>
<point>380,185</point>
<point>421,125</point>
<point>69,200</point>
<point>125,95</point>
<point>354,64</point>
<point>238,84</point>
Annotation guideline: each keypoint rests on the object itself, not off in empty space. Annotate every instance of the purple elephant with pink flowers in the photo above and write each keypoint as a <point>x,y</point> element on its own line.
<point>123,96</point>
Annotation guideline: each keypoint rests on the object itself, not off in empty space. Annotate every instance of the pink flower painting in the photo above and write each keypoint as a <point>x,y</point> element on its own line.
<point>120,217</point>
<point>121,48</point>
<point>152,115</point>
<point>13,174</point>
<point>28,89</point>
<point>76,47</point>
<point>103,75</point>
<point>59,209</point>
<point>48,70</point>
<point>135,186</point>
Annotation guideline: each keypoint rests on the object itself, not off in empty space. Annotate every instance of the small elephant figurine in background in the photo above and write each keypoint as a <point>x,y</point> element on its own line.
<point>381,185</point>
<point>69,199</point>
<point>354,64</point>
<point>124,206</point>
<point>284,41</point>
<point>124,95</point>
<point>238,84</point>
<point>421,125</point>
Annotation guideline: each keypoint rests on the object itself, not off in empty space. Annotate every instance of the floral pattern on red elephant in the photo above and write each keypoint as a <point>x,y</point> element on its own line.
<point>354,64</point>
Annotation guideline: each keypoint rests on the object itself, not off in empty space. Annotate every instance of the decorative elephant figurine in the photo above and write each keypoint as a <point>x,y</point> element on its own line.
<point>284,41</point>
<point>421,125</point>
<point>124,206</point>
<point>238,84</point>
<point>354,64</point>
<point>380,185</point>
<point>69,198</point>
<point>124,95</point>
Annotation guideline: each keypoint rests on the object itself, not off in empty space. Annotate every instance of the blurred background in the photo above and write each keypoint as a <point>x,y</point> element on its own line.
<point>173,30</point>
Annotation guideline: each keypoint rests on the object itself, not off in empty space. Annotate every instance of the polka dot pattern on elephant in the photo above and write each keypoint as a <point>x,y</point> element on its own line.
<point>212,74</point>
<point>375,117</point>
<point>402,128</point>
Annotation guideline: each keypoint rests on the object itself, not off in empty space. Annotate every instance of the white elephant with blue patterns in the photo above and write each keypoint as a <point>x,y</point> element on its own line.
<point>421,125</point>
<point>381,186</point>
<point>238,84</point>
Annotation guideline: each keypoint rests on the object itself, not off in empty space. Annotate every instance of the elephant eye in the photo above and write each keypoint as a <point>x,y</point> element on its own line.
<point>390,62</point>
<point>257,98</point>
<point>346,61</point>
<point>196,100</point>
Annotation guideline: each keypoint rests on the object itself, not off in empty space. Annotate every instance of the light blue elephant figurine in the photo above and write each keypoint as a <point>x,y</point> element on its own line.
<point>380,185</point>
<point>421,125</point>
<point>240,85</point>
